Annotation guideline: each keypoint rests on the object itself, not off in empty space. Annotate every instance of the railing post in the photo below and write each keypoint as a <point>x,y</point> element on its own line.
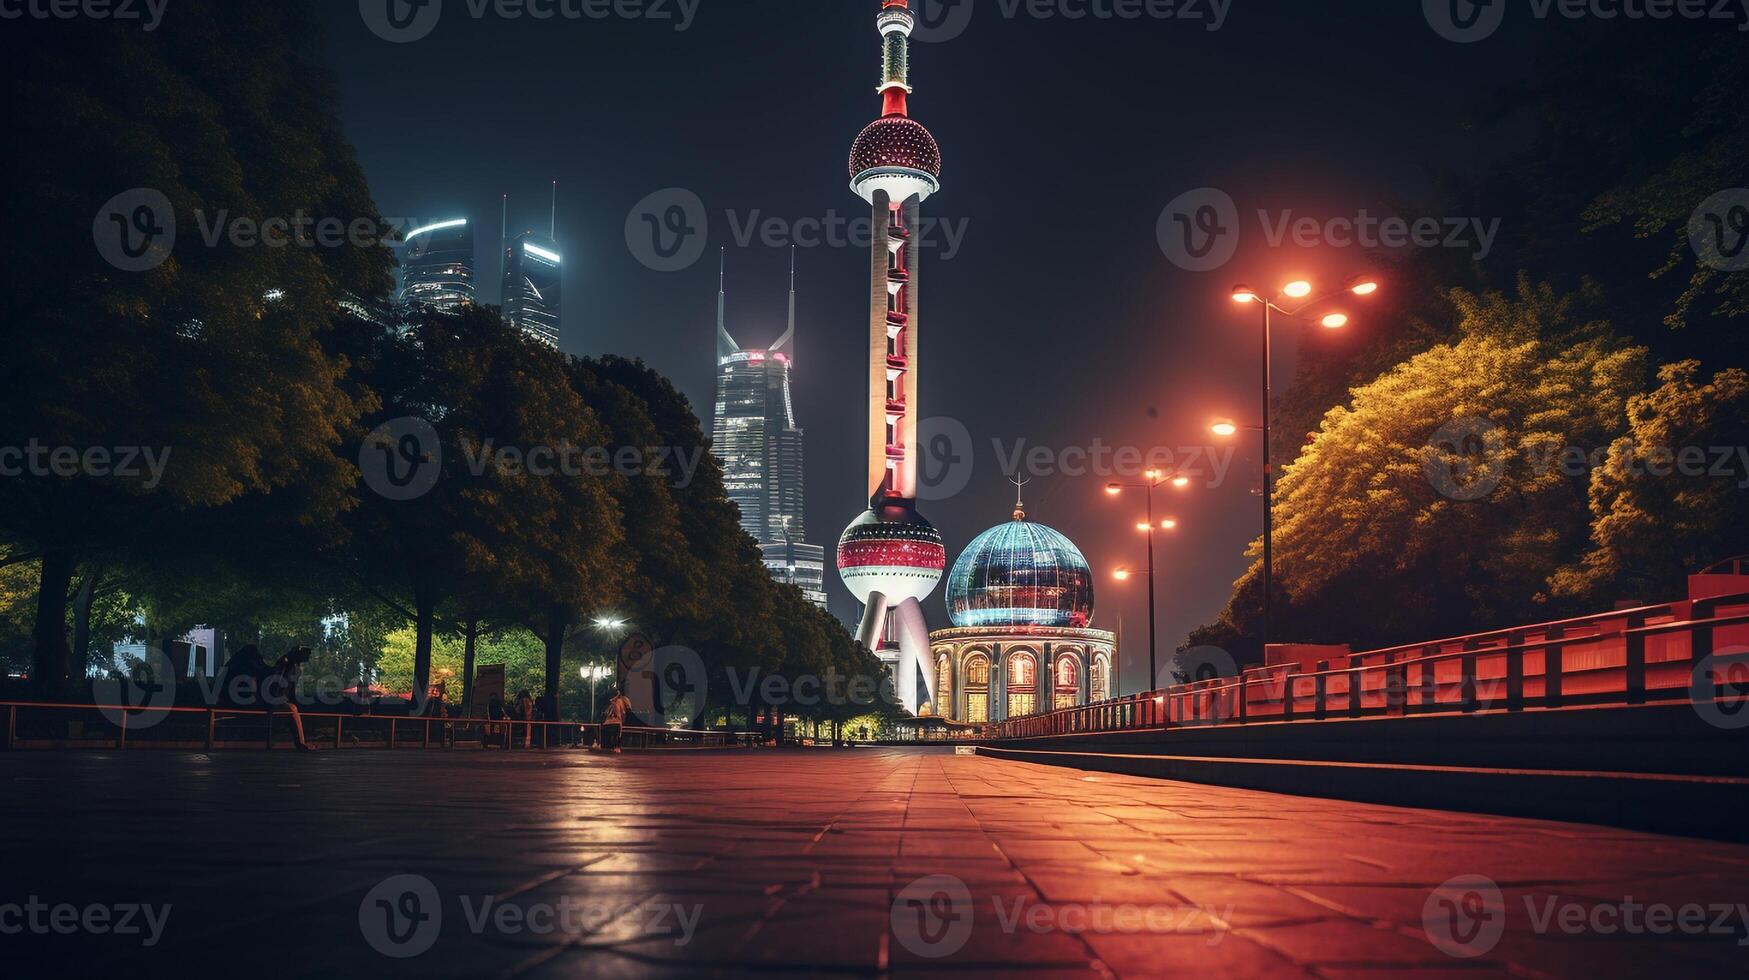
<point>1356,688</point>
<point>1320,689</point>
<point>1467,688</point>
<point>1514,673</point>
<point>339,724</point>
<point>11,733</point>
<point>122,742</point>
<point>1553,655</point>
<point>212,719</point>
<point>1635,665</point>
<point>544,729</point>
<point>1287,695</point>
<point>1244,711</point>
<point>391,733</point>
<point>1429,684</point>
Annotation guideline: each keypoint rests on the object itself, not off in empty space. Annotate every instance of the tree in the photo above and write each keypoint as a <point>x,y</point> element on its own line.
<point>209,360</point>
<point>1445,491</point>
<point>1669,499</point>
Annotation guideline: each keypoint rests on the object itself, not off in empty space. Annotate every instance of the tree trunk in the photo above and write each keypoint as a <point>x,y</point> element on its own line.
<point>469,637</point>
<point>557,622</point>
<point>48,673</point>
<point>424,619</point>
<point>82,616</point>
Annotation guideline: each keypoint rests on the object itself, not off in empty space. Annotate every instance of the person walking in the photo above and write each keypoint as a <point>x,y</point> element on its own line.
<point>280,690</point>
<point>613,720</point>
<point>525,714</point>
<point>495,716</point>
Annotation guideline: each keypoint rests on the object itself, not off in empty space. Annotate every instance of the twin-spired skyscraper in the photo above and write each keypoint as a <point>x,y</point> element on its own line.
<point>760,446</point>
<point>891,557</point>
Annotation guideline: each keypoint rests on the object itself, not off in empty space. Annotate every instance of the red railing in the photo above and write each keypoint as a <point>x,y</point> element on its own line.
<point>1626,657</point>
<point>31,724</point>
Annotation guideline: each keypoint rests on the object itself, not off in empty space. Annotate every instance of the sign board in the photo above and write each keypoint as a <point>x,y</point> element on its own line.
<point>965,750</point>
<point>488,680</point>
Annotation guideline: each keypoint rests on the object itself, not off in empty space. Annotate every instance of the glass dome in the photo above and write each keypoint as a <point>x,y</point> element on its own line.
<point>1020,574</point>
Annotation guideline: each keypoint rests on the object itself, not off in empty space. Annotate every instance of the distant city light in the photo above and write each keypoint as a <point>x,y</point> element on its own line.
<point>439,226</point>
<point>539,252</point>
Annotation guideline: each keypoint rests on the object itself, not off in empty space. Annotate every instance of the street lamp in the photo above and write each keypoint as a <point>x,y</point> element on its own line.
<point>593,673</point>
<point>1301,291</point>
<point>1154,479</point>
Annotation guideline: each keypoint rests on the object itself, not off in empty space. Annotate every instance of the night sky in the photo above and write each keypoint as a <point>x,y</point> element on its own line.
<point>1060,321</point>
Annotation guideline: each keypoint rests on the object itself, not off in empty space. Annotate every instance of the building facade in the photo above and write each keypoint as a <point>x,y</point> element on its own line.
<point>891,557</point>
<point>437,267</point>
<point>1021,601</point>
<point>756,439</point>
<point>532,267</point>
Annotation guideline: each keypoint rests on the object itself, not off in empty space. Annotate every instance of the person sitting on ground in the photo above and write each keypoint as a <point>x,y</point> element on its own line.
<point>613,720</point>
<point>280,690</point>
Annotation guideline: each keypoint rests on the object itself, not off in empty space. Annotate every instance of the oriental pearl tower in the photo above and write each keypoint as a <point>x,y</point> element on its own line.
<point>891,557</point>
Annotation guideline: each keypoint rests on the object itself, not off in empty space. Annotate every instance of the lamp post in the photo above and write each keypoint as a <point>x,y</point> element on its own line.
<point>1154,479</point>
<point>1298,292</point>
<point>593,673</point>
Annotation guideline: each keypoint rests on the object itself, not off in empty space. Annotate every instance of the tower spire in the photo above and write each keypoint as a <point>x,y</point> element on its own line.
<point>725,344</point>
<point>787,342</point>
<point>896,23</point>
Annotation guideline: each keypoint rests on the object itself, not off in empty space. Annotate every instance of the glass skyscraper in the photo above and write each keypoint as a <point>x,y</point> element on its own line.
<point>437,267</point>
<point>760,447</point>
<point>532,264</point>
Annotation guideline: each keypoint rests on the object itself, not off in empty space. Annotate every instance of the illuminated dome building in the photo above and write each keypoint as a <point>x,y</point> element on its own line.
<point>1021,600</point>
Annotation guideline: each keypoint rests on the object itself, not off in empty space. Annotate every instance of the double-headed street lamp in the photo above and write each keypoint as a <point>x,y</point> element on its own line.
<point>1297,295</point>
<point>1154,479</point>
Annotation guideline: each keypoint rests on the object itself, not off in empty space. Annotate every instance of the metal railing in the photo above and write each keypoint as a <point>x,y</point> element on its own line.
<point>31,724</point>
<point>1625,657</point>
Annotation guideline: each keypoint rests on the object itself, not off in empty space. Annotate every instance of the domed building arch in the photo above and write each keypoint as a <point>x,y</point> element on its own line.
<point>1068,676</point>
<point>974,676</point>
<point>1021,682</point>
<point>1100,680</point>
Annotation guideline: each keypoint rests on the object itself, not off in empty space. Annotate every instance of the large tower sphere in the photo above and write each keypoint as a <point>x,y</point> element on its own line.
<point>892,550</point>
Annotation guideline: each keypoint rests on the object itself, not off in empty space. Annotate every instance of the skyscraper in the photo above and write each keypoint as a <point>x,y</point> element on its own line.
<point>437,267</point>
<point>531,286</point>
<point>890,557</point>
<point>756,438</point>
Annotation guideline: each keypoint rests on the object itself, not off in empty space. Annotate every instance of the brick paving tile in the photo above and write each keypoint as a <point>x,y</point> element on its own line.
<point>872,862</point>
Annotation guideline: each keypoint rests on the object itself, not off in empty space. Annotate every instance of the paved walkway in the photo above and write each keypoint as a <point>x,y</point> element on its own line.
<point>852,862</point>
